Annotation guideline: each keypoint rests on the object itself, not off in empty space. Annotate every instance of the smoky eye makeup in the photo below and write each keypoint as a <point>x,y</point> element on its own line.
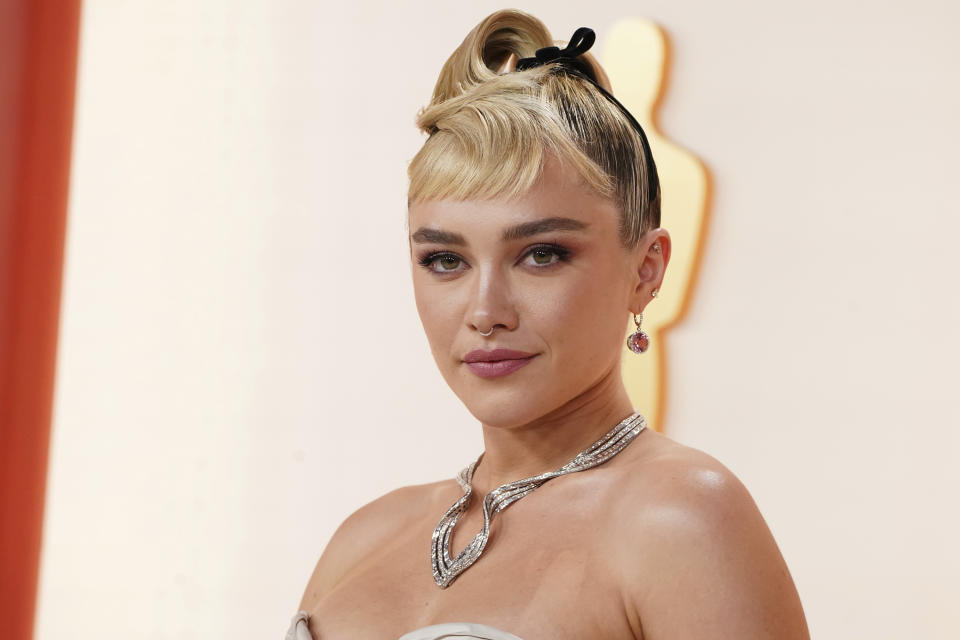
<point>446,259</point>
<point>549,249</point>
<point>540,256</point>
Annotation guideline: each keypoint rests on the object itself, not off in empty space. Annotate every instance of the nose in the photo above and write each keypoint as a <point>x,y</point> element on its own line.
<point>491,301</point>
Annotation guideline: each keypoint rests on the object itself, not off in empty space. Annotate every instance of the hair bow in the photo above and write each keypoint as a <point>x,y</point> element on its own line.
<point>581,40</point>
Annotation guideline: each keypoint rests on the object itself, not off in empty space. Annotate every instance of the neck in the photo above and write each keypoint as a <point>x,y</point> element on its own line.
<point>550,441</point>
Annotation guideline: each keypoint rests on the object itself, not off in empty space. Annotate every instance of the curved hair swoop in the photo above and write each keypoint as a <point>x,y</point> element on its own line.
<point>507,98</point>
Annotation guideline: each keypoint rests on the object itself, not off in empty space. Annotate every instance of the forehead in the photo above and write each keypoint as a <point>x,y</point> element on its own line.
<point>559,192</point>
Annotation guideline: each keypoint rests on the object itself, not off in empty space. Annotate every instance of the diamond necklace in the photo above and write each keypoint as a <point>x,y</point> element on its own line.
<point>447,569</point>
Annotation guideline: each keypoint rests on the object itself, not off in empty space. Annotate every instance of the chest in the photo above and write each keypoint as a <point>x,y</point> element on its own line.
<point>544,574</point>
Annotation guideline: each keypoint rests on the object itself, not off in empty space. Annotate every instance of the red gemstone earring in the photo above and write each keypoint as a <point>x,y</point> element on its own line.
<point>638,341</point>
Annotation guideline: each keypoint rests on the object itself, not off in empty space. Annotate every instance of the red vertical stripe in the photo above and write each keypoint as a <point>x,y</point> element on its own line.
<point>38,59</point>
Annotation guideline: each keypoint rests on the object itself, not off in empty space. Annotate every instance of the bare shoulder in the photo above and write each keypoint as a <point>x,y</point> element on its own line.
<point>699,560</point>
<point>677,493</point>
<point>363,530</point>
<point>668,474</point>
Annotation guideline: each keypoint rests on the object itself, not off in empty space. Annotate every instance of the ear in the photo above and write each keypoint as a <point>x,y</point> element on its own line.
<point>650,260</point>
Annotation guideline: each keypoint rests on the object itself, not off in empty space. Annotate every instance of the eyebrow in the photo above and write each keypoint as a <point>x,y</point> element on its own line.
<point>542,226</point>
<point>424,235</point>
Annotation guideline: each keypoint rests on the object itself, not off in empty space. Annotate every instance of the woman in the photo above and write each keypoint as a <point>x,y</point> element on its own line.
<point>534,212</point>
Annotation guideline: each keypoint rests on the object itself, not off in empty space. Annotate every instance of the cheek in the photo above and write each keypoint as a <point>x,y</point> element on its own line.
<point>439,319</point>
<point>583,318</point>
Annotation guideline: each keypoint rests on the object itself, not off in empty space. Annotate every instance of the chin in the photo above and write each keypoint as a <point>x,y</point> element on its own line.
<point>507,407</point>
<point>500,416</point>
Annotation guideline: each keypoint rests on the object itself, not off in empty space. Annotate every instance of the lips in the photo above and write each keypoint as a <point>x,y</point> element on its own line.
<point>480,355</point>
<point>496,363</point>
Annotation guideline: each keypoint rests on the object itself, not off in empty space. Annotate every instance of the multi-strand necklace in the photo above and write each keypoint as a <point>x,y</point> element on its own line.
<point>447,569</point>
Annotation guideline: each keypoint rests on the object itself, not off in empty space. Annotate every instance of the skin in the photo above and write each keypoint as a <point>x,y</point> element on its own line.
<point>661,542</point>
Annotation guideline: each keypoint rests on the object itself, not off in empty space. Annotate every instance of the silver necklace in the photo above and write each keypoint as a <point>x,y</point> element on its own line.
<point>447,569</point>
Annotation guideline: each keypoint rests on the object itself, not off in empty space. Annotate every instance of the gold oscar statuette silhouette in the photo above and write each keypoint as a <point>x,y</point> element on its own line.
<point>636,60</point>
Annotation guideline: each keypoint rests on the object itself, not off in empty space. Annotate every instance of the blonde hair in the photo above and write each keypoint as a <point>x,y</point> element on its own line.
<point>490,132</point>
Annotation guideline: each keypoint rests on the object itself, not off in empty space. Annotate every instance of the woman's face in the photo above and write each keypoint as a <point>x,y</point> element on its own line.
<point>547,273</point>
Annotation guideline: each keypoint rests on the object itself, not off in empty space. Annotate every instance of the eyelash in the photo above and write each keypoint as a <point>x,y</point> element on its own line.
<point>563,255</point>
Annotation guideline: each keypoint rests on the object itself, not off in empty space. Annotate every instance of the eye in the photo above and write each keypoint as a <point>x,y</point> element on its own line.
<point>542,256</point>
<point>442,262</point>
<point>546,255</point>
<point>448,262</point>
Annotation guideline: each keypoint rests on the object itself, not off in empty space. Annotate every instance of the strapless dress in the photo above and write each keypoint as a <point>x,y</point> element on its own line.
<point>460,630</point>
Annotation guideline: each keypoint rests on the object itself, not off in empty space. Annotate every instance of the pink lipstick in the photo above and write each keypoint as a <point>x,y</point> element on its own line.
<point>496,363</point>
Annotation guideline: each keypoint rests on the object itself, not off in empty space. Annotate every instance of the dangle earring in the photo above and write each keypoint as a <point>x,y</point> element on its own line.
<point>638,341</point>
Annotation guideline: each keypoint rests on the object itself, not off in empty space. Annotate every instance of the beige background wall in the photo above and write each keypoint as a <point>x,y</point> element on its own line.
<point>241,362</point>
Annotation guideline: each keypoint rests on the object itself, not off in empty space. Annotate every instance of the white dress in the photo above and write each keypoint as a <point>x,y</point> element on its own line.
<point>462,630</point>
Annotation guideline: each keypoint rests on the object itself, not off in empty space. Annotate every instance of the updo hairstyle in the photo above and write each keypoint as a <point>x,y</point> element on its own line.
<point>490,128</point>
